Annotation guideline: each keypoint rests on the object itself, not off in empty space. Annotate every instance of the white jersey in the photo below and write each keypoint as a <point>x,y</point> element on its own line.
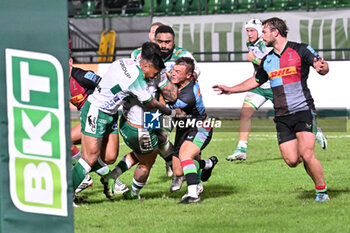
<point>123,78</point>
<point>260,50</point>
<point>133,109</point>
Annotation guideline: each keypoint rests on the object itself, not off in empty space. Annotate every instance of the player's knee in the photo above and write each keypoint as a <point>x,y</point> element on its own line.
<point>292,163</point>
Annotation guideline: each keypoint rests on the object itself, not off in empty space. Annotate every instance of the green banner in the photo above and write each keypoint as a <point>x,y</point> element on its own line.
<point>36,187</point>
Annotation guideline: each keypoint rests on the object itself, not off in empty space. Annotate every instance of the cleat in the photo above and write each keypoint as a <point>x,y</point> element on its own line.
<point>321,197</point>
<point>86,183</point>
<point>321,139</point>
<point>206,173</point>
<point>130,195</point>
<point>190,200</point>
<point>108,182</point>
<point>119,187</point>
<point>200,189</point>
<point>168,170</point>
<point>177,183</point>
<point>237,155</point>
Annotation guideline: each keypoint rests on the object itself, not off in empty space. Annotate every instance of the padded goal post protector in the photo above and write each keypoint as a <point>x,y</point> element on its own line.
<point>35,162</point>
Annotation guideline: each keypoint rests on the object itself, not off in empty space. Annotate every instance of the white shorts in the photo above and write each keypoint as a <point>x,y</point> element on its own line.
<point>254,100</point>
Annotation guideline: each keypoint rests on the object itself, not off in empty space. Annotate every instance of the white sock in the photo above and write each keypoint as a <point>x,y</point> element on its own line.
<point>192,190</point>
<point>242,144</point>
<point>208,163</point>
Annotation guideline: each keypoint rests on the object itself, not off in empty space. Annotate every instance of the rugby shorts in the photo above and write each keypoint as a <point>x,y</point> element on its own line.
<point>198,135</point>
<point>288,126</point>
<point>140,140</point>
<point>96,123</point>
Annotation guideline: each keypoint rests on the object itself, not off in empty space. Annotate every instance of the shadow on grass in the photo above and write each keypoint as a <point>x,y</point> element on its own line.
<point>259,161</point>
<point>210,191</point>
<point>333,193</point>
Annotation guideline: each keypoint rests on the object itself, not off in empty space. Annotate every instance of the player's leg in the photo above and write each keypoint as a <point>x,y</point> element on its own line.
<point>165,148</point>
<point>178,178</point>
<point>91,151</point>
<point>188,152</point>
<point>141,174</point>
<point>306,142</point>
<point>320,137</point>
<point>252,102</point>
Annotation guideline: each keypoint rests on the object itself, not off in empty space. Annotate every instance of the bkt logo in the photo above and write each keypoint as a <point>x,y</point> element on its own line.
<point>36,132</point>
<point>151,120</point>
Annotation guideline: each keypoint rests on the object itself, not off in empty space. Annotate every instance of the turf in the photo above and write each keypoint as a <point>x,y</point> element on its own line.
<point>261,194</point>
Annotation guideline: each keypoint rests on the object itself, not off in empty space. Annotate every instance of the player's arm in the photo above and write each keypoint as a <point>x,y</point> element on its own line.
<point>312,58</point>
<point>321,66</point>
<point>153,103</point>
<point>252,58</point>
<point>247,85</point>
<point>169,92</point>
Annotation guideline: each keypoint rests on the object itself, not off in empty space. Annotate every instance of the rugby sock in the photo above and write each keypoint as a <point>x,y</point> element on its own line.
<point>321,188</point>
<point>123,165</point>
<point>190,172</point>
<point>199,170</point>
<point>242,145</point>
<point>137,186</point>
<point>75,153</point>
<point>80,170</point>
<point>205,164</point>
<point>104,170</point>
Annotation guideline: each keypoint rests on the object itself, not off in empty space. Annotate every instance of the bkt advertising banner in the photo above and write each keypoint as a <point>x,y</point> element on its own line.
<point>35,186</point>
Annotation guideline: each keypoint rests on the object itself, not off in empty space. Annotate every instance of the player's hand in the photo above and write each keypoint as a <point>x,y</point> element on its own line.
<point>321,66</point>
<point>250,56</point>
<point>180,113</point>
<point>222,89</point>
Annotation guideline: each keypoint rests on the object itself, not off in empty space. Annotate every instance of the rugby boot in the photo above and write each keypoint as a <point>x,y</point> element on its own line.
<point>108,182</point>
<point>119,187</point>
<point>321,139</point>
<point>238,154</point>
<point>206,173</point>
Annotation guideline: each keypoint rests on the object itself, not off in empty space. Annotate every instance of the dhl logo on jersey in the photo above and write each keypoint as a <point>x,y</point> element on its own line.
<point>77,99</point>
<point>282,72</point>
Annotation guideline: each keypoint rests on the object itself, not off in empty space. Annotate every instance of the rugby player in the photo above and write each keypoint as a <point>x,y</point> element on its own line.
<point>287,67</point>
<point>100,112</point>
<point>143,142</point>
<point>257,97</point>
<point>190,140</point>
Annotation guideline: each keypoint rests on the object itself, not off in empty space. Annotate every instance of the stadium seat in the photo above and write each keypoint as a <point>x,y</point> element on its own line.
<point>228,6</point>
<point>197,7</point>
<point>343,4</point>
<point>147,8</point>
<point>245,6</point>
<point>214,6</point>
<point>181,6</point>
<point>262,5</point>
<point>295,5</point>
<point>324,4</point>
<point>165,7</point>
<point>278,5</point>
<point>88,8</point>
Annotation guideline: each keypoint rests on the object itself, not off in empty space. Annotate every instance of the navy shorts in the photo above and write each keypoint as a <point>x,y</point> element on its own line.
<point>288,126</point>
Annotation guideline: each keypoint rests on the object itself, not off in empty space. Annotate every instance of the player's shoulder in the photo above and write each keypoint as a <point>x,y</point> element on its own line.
<point>181,52</point>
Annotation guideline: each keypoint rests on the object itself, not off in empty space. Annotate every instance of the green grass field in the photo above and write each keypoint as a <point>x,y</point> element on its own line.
<point>261,194</point>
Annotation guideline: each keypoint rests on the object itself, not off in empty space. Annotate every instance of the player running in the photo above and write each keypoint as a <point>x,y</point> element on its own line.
<point>257,97</point>
<point>287,67</point>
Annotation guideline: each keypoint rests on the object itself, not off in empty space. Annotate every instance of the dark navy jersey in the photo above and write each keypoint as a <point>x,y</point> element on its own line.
<point>288,73</point>
<point>82,84</point>
<point>189,100</point>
